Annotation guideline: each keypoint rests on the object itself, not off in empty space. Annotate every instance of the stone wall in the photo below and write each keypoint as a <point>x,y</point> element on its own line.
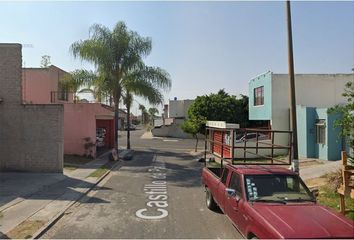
<point>31,136</point>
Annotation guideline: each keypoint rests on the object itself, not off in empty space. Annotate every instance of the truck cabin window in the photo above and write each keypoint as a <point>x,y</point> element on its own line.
<point>235,183</point>
<point>276,188</point>
<point>224,176</point>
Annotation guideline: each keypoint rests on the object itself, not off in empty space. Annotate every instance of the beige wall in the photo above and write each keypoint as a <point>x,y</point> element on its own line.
<point>312,90</point>
<point>31,136</point>
<point>179,108</point>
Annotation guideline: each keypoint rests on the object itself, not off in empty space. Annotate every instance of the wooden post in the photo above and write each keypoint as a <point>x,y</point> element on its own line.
<point>344,163</point>
<point>344,158</point>
<point>346,189</point>
<point>342,204</point>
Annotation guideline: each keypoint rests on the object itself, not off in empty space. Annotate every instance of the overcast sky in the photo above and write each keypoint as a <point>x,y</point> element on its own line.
<point>205,46</point>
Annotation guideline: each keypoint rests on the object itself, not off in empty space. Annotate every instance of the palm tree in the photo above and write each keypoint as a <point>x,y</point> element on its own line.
<point>74,80</point>
<point>153,112</point>
<point>118,56</point>
<point>97,87</point>
<point>128,100</point>
<point>143,110</point>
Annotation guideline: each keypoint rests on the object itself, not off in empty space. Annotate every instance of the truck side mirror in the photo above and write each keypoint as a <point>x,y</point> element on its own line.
<point>315,192</point>
<point>230,192</point>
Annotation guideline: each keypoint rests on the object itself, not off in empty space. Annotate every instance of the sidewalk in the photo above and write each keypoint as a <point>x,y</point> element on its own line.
<point>319,170</point>
<point>34,199</point>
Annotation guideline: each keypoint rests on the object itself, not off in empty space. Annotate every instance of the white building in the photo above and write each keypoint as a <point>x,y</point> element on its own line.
<point>179,108</point>
<point>171,124</point>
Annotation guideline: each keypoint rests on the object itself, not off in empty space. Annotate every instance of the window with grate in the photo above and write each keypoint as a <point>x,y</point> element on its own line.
<point>321,131</point>
<point>258,96</point>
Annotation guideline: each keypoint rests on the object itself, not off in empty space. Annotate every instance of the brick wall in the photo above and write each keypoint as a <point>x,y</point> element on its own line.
<point>31,136</point>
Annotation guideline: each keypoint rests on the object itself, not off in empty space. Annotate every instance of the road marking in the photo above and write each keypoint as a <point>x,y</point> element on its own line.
<point>156,193</point>
<point>170,140</point>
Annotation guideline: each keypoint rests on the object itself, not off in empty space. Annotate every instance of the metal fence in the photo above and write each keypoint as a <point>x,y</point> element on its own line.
<point>250,146</point>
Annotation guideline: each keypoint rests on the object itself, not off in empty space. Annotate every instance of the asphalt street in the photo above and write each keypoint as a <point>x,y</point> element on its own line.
<point>158,194</point>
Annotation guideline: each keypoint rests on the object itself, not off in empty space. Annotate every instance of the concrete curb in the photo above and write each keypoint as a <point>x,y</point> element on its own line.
<point>57,217</point>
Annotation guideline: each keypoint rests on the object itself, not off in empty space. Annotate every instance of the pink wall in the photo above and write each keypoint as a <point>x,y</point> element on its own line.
<point>79,123</point>
<point>38,83</point>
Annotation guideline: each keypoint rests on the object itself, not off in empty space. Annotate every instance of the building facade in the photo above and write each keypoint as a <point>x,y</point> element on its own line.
<point>315,93</point>
<point>42,86</point>
<point>175,113</point>
<point>179,108</point>
<point>82,120</point>
<point>31,135</point>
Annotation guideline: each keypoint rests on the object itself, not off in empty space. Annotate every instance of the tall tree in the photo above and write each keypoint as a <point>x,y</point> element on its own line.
<point>98,88</point>
<point>193,126</point>
<point>221,107</point>
<point>73,81</point>
<point>128,100</point>
<point>346,120</point>
<point>152,112</point>
<point>143,110</point>
<point>118,56</point>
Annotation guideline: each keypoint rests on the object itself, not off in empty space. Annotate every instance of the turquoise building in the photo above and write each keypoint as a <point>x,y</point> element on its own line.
<point>317,135</point>
<point>315,94</point>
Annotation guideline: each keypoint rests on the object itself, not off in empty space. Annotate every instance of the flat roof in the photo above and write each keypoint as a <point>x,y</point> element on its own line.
<point>222,125</point>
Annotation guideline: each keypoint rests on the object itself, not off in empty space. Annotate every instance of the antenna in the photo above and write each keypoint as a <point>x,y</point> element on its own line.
<point>27,45</point>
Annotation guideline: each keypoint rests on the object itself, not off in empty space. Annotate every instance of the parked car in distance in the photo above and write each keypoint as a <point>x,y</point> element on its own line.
<point>100,136</point>
<point>271,202</point>
<point>250,137</point>
<point>131,127</point>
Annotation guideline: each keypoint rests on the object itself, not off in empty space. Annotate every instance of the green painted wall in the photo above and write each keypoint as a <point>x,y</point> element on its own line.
<point>306,131</point>
<point>306,122</point>
<point>263,112</point>
<point>334,140</point>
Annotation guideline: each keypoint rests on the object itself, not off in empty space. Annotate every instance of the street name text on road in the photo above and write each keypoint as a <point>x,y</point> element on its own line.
<point>156,193</point>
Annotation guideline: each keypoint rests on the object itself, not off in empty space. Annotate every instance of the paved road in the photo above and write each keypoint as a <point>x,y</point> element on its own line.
<point>168,144</point>
<point>162,184</point>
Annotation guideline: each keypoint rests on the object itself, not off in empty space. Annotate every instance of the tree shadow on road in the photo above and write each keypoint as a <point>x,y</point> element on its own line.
<point>183,169</point>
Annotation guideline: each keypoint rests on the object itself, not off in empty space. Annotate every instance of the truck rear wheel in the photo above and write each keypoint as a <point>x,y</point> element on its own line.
<point>209,199</point>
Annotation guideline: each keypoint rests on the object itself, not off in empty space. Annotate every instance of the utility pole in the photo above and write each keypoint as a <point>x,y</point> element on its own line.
<point>295,163</point>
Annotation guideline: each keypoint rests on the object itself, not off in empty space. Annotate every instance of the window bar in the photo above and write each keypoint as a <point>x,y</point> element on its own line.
<point>232,146</point>
<point>257,142</point>
<point>244,146</point>
<point>272,147</point>
<point>222,146</point>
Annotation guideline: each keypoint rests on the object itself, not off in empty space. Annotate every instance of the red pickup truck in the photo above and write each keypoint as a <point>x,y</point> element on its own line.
<point>271,202</point>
